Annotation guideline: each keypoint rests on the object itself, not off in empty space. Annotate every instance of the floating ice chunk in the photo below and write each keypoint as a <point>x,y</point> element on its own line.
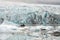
<point>6,27</point>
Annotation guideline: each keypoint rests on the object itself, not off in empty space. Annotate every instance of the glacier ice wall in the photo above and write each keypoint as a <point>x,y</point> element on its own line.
<point>30,15</point>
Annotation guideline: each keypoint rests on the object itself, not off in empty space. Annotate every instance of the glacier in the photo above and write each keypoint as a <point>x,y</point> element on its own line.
<point>38,22</point>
